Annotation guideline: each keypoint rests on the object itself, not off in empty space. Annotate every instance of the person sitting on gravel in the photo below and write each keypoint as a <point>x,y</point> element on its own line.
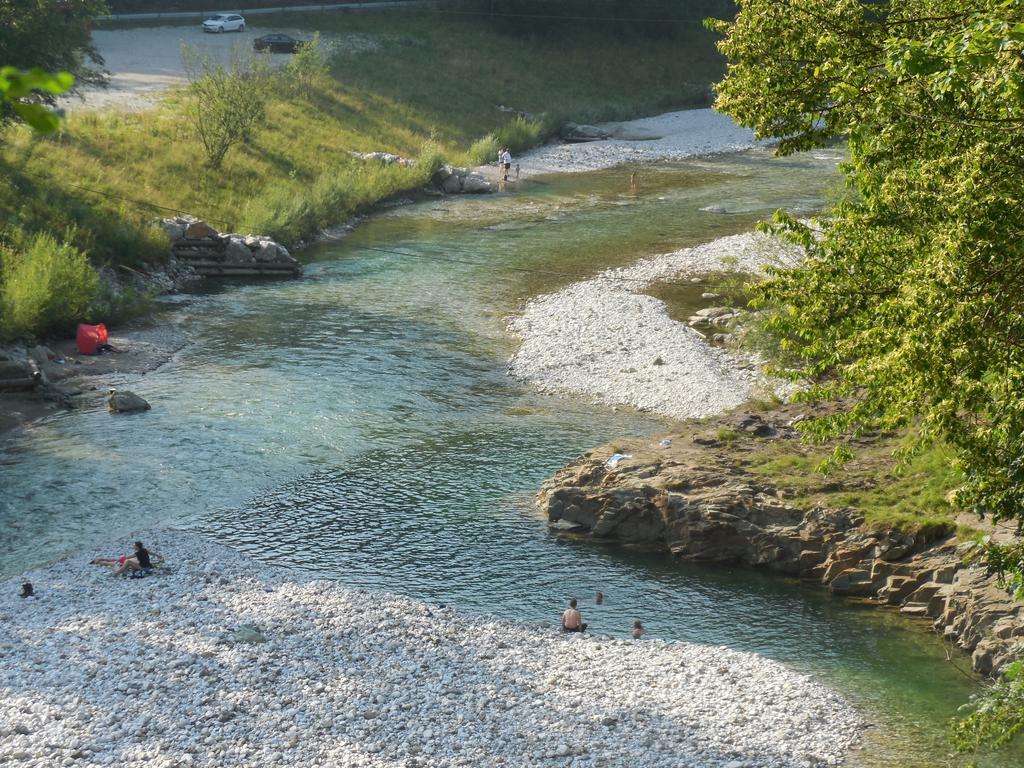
<point>572,620</point>
<point>638,630</point>
<point>139,562</point>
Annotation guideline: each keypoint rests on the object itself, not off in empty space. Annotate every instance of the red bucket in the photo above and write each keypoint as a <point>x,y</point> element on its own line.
<point>89,337</point>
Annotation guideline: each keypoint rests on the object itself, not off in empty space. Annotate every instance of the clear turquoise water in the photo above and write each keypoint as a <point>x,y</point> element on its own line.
<point>358,423</point>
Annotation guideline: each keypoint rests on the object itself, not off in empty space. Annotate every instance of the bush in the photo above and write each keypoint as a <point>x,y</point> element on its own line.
<point>307,66</point>
<point>518,135</point>
<point>227,103</point>
<point>430,160</point>
<point>47,287</point>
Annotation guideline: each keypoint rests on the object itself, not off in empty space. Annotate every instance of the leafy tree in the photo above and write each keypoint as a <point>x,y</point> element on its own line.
<point>910,305</point>
<point>227,103</point>
<point>53,35</point>
<point>909,309</point>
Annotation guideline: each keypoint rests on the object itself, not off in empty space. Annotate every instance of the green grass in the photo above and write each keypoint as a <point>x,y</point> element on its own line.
<point>911,497</point>
<point>428,89</point>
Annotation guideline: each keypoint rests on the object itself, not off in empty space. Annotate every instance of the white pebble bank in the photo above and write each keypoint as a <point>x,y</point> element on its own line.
<point>105,671</point>
<point>604,338</point>
<point>671,136</point>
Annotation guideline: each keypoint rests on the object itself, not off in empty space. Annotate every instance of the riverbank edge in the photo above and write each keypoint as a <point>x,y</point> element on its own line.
<point>385,669</point>
<point>690,493</point>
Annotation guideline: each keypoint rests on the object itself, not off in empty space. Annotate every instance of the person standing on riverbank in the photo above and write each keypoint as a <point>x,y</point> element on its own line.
<point>572,619</point>
<point>506,163</point>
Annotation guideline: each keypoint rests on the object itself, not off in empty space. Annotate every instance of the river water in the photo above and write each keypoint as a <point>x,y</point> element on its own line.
<point>358,423</point>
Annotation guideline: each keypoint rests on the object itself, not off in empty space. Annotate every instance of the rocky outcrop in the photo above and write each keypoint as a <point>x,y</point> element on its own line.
<point>574,132</point>
<point>216,254</point>
<point>693,497</point>
<point>454,181</point>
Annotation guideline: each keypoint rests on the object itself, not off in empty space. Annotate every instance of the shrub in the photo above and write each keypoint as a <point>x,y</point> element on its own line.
<point>307,65</point>
<point>518,135</point>
<point>227,103</point>
<point>47,287</point>
<point>430,160</point>
<point>484,151</point>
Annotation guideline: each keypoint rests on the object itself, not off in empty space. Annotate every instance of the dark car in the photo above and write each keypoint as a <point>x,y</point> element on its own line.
<point>278,43</point>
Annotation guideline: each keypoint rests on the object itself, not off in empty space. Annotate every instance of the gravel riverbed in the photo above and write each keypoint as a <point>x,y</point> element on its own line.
<point>606,339</point>
<point>669,136</point>
<point>226,662</point>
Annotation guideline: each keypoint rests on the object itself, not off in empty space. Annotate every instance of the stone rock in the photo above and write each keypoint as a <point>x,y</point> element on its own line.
<point>452,184</point>
<point>237,251</point>
<point>853,581</point>
<point>895,546</point>
<point>175,228</point>
<point>268,252</point>
<point>386,158</point>
<point>126,402</point>
<point>42,354</point>
<point>246,633</point>
<point>476,184</point>
<point>199,230</point>
<point>710,313</point>
<point>574,132</point>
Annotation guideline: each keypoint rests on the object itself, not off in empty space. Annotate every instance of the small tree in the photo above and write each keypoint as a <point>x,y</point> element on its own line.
<point>227,102</point>
<point>307,65</point>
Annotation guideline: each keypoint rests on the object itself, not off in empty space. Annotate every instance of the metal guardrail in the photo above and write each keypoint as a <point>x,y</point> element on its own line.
<point>358,6</point>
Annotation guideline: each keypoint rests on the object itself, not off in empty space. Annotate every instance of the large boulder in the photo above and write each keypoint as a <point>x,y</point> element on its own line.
<point>126,402</point>
<point>574,132</point>
<point>452,184</point>
<point>475,184</point>
<point>453,181</point>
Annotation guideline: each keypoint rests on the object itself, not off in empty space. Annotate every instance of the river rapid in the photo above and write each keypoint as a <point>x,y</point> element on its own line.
<point>358,423</point>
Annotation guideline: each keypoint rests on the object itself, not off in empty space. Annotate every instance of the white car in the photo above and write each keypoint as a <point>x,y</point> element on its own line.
<point>224,22</point>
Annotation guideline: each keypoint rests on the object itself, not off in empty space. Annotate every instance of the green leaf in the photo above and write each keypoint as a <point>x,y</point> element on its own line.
<point>36,115</point>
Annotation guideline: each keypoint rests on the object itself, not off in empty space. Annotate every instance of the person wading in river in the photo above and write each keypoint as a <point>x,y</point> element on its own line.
<point>572,620</point>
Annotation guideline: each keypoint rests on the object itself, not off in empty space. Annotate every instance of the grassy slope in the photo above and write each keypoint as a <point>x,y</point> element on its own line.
<point>433,79</point>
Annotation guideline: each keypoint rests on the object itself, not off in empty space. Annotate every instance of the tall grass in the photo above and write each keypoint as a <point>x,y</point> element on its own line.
<point>517,135</point>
